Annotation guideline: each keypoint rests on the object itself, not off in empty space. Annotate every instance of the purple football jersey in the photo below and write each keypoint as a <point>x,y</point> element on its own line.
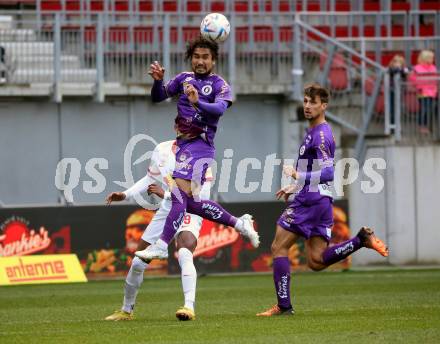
<point>315,164</point>
<point>190,119</point>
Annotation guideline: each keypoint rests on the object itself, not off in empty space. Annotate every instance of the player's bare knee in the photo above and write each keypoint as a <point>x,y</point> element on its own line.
<point>315,265</point>
<point>142,245</point>
<point>274,248</point>
<point>186,240</point>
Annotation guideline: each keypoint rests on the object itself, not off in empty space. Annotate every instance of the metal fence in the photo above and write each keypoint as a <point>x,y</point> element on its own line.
<point>274,53</point>
<point>416,117</point>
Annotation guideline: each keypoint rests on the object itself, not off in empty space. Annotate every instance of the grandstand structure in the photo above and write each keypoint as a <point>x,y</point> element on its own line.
<point>100,48</point>
<point>87,59</point>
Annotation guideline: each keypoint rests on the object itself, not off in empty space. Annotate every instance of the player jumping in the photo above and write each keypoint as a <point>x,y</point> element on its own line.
<point>309,214</point>
<point>203,97</point>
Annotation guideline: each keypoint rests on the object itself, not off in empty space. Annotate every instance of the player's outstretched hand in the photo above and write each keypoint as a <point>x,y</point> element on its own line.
<point>290,171</point>
<point>286,191</point>
<point>156,71</point>
<point>115,197</point>
<point>191,92</point>
<point>156,189</point>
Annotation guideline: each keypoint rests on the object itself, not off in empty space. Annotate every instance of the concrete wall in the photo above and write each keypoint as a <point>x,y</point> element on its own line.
<point>34,136</point>
<point>406,213</point>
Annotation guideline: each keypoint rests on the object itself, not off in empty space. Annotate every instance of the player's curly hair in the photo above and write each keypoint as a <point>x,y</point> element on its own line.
<point>313,90</point>
<point>200,42</point>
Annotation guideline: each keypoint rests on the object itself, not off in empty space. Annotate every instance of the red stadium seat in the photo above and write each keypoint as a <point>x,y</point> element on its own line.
<point>263,34</point>
<point>286,34</point>
<point>96,5</point>
<point>410,99</point>
<point>338,78</point>
<point>51,5</point>
<point>190,33</point>
<point>73,5</point>
<point>170,6</point>
<point>143,34</point>
<point>193,6</point>
<point>121,6</point>
<point>379,107</point>
<point>145,6</point>
<point>400,6</point>
<point>372,5</point>
<point>430,5</point>
<point>218,6</point>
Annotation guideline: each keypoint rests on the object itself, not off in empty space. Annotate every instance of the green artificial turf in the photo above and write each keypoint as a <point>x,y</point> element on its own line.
<point>350,307</point>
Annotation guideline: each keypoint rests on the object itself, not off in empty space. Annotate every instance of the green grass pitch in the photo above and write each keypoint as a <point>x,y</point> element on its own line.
<point>394,306</point>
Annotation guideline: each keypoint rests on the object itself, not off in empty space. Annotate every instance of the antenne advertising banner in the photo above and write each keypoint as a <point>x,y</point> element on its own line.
<point>104,238</point>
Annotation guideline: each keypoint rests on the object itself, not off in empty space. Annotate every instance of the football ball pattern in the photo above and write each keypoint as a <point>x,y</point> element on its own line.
<point>215,27</point>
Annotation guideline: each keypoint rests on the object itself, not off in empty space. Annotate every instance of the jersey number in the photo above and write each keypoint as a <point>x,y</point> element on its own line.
<point>187,219</point>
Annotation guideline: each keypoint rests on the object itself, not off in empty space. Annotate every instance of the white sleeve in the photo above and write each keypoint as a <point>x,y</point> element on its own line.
<point>153,176</point>
<point>140,186</point>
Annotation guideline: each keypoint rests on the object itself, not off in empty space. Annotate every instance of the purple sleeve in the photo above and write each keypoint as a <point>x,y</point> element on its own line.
<point>216,108</point>
<point>158,92</point>
<point>325,160</point>
<point>223,92</point>
<point>325,175</point>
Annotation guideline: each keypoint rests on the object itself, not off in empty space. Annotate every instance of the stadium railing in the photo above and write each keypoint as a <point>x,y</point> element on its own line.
<point>103,55</point>
<point>417,119</point>
<point>232,5</point>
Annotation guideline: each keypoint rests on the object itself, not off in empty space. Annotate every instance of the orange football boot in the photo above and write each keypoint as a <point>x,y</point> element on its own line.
<point>276,310</point>
<point>370,240</point>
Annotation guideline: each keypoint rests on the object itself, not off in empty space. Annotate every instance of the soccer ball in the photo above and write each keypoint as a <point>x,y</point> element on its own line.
<point>215,27</point>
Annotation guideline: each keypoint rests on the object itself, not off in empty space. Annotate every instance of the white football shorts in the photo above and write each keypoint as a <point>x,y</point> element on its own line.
<point>152,233</point>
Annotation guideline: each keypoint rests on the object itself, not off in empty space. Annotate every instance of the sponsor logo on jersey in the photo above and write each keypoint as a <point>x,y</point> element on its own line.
<point>207,90</point>
<point>177,223</point>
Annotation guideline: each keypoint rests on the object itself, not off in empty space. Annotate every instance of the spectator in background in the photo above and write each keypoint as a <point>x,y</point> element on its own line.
<point>3,67</point>
<point>396,66</point>
<point>424,80</point>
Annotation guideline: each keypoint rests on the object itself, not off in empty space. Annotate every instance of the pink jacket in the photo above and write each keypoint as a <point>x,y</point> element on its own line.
<point>423,78</point>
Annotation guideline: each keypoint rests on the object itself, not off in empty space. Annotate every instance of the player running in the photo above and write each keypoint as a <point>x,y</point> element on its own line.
<point>203,97</point>
<point>159,173</point>
<point>310,213</point>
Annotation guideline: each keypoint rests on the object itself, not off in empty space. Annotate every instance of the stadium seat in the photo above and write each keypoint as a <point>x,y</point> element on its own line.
<point>96,5</point>
<point>193,6</point>
<point>51,5</point>
<point>338,79</point>
<point>170,6</point>
<point>73,5</point>
<point>121,5</point>
<point>430,5</point>
<point>145,6</point>
<point>143,34</point>
<point>410,100</point>
<point>217,6</point>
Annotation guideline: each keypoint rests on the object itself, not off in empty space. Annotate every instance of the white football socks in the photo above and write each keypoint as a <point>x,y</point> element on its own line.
<point>162,244</point>
<point>189,277</point>
<point>133,282</point>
